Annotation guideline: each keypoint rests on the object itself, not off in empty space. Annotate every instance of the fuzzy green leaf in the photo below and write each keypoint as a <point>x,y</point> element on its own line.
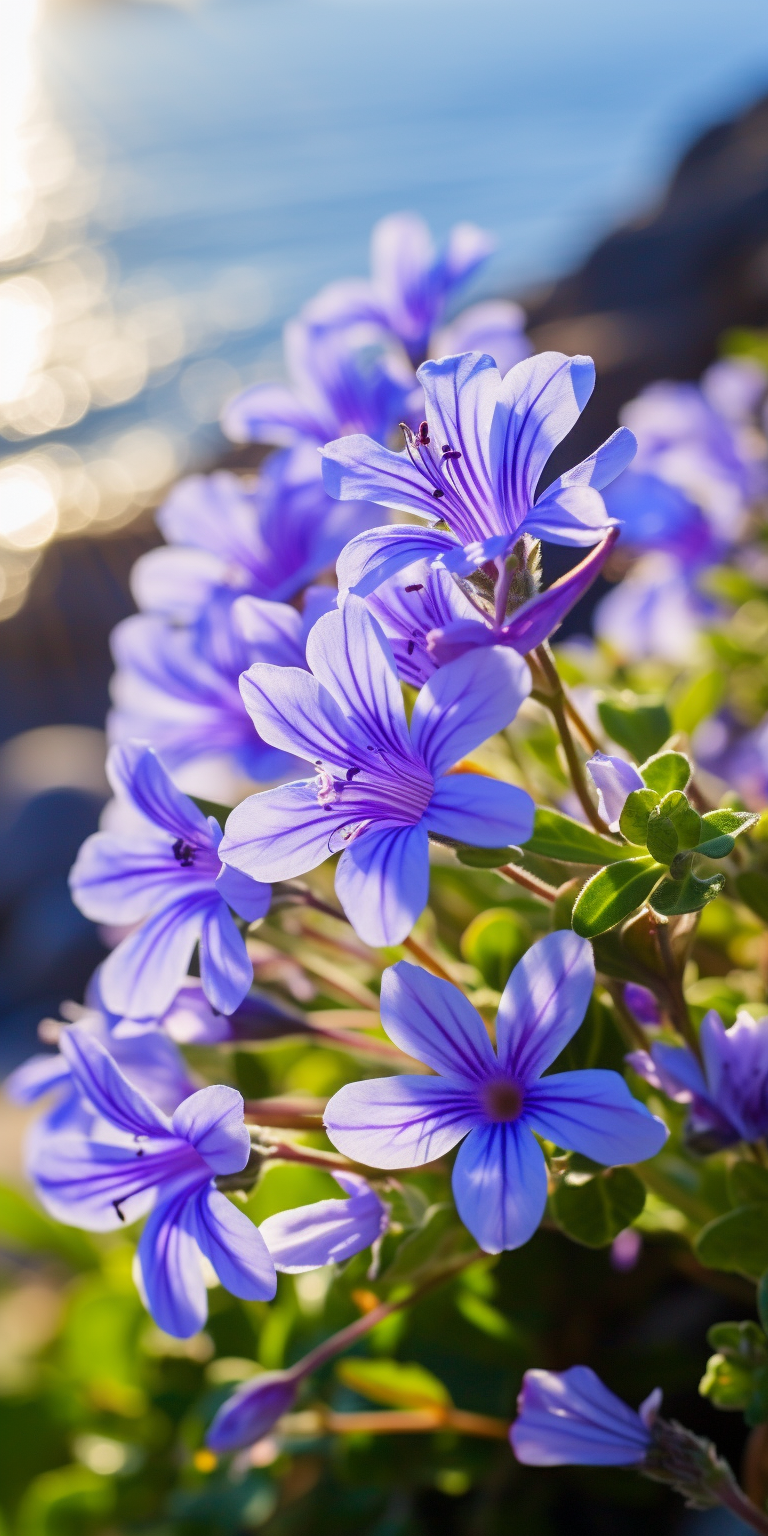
<point>560,837</point>
<point>613,893</point>
<point>640,727</point>
<point>661,839</point>
<point>713,823</point>
<point>674,897</point>
<point>738,1241</point>
<point>633,822</point>
<point>593,1210</point>
<point>665,771</point>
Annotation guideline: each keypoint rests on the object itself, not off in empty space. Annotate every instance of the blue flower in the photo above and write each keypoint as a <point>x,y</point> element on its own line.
<point>250,1413</point>
<point>410,281</point>
<point>342,380</point>
<point>268,538</point>
<point>380,788</point>
<point>568,1418</point>
<point>476,463</point>
<point>727,1090</point>
<point>429,619</point>
<point>177,685</point>
<point>496,326</point>
<point>136,1160</point>
<point>615,780</point>
<point>164,873</point>
<point>496,1100</point>
<point>327,1232</point>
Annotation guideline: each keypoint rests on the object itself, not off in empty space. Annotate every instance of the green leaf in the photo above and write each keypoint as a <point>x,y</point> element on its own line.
<point>661,839</point>
<point>640,727</point>
<point>685,820</point>
<point>740,1341</point>
<point>747,1182</point>
<point>395,1384</point>
<point>727,1383</point>
<point>665,771</point>
<point>484,858</point>
<point>594,1209</point>
<point>713,823</point>
<point>560,837</point>
<point>633,822</point>
<point>717,847</point>
<point>430,1248</point>
<point>738,1241</point>
<point>613,893</point>
<point>752,887</point>
<point>699,700</point>
<point>494,942</point>
<point>674,897</point>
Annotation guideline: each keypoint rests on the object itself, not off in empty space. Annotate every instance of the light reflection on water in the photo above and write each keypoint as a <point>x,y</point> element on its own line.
<point>176,181</point>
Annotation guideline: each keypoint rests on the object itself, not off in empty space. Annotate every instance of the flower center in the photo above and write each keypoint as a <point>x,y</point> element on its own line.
<point>184,852</point>
<point>503,1099</point>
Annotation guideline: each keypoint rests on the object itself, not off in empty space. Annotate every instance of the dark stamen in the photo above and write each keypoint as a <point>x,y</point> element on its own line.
<point>351,773</point>
<point>438,494</point>
<point>411,647</point>
<point>423,434</point>
<point>117,1204</point>
<point>418,586</point>
<point>184,852</point>
<point>451,453</point>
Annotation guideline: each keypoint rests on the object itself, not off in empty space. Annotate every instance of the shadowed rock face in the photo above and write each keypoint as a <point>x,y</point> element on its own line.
<point>652,299</point>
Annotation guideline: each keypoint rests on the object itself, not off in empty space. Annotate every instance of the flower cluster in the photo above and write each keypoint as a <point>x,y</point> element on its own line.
<point>402,719</point>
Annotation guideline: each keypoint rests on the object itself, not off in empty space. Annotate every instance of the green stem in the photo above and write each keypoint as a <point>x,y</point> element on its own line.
<point>528,882</point>
<point>677,1006</point>
<point>554,699</point>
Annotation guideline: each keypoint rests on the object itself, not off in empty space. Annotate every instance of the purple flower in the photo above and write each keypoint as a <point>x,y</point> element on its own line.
<point>494,1099</point>
<point>568,1418</point>
<point>133,1160</point>
<point>655,611</point>
<point>496,327</point>
<point>699,440</point>
<point>339,384</point>
<point>614,779</point>
<point>268,538</point>
<point>430,619</point>
<point>165,874</point>
<point>251,1411</point>
<point>476,463</point>
<point>380,788</point>
<point>410,281</point>
<point>727,1092</point>
<point>327,1232</point>
<point>642,1003</point>
<point>177,686</point>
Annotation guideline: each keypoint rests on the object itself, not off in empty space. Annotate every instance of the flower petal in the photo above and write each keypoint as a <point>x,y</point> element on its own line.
<point>249,898</point>
<point>291,710</point>
<point>544,1003</point>
<point>540,400</point>
<point>141,977</point>
<point>232,1244</point>
<point>461,396</point>
<point>281,833</point>
<point>482,811</point>
<point>119,880</point>
<point>270,413</point>
<point>135,771</point>
<point>275,630</point>
<point>568,1418</point>
<point>171,1272</point>
<point>97,1186</point>
<point>614,779</point>
<point>211,1120</point>
<point>356,468</point>
<point>327,1232</point>
<point>432,1020</point>
<point>102,1083</point>
<point>465,702</point>
<point>593,1112</point>
<point>399,1122</point>
<point>252,1410</point>
<point>225,969</point>
<point>382,881</point>
<point>352,659</point>
<point>576,515</point>
<point>376,555</point>
<point>500,1185</point>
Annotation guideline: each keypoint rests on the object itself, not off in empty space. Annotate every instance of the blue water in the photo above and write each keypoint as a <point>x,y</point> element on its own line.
<point>254,142</point>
